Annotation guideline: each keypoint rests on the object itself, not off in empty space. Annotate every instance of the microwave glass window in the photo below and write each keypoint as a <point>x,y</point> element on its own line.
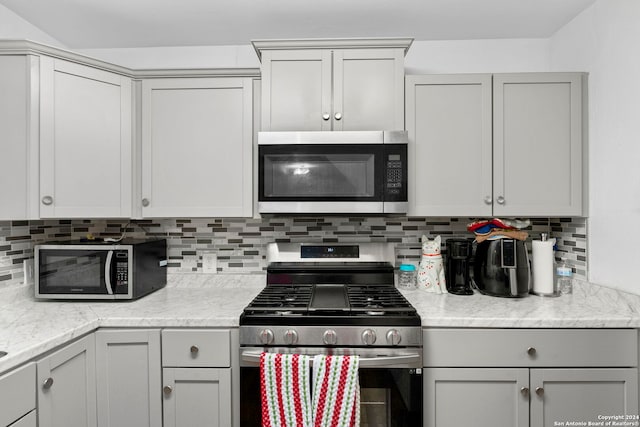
<point>67,270</point>
<point>325,175</point>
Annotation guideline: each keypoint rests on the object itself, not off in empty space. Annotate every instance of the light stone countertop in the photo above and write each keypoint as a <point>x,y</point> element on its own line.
<point>30,328</point>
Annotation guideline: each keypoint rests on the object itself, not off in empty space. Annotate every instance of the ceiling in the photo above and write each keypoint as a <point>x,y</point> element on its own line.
<point>86,24</point>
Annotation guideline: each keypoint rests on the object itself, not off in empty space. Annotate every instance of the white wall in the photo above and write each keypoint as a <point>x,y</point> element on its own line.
<point>459,56</point>
<point>13,26</point>
<point>603,40</point>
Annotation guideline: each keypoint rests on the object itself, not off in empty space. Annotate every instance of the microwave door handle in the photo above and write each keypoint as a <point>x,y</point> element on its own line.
<point>107,273</point>
<point>365,362</point>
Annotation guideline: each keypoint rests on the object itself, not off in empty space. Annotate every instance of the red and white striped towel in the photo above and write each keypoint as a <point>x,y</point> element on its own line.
<point>336,391</point>
<point>285,390</point>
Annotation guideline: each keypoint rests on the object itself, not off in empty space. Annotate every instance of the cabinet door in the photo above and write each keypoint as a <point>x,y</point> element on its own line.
<point>29,420</point>
<point>561,395</point>
<point>85,141</point>
<point>17,394</point>
<point>296,90</point>
<point>67,386</point>
<point>128,378</point>
<point>537,151</point>
<point>476,397</point>
<point>19,121</point>
<point>197,147</point>
<point>449,129</point>
<point>197,397</point>
<point>368,89</point>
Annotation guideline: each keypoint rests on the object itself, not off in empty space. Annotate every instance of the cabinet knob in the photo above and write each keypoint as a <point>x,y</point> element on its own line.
<point>47,383</point>
<point>524,391</point>
<point>539,391</point>
<point>531,351</point>
<point>500,200</point>
<point>338,116</point>
<point>488,200</point>
<point>145,202</point>
<point>167,390</point>
<point>194,350</point>
<point>47,200</point>
<point>326,116</point>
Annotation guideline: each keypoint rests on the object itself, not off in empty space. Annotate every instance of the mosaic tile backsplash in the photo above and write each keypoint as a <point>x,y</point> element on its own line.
<point>240,243</point>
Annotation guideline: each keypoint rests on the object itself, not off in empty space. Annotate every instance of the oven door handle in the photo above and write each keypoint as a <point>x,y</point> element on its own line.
<point>401,360</point>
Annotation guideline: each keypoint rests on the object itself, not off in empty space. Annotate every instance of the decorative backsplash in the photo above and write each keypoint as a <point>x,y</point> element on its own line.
<point>239,243</point>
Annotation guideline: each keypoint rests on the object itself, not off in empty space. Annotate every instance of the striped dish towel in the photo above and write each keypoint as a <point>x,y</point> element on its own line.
<point>336,392</point>
<point>285,390</point>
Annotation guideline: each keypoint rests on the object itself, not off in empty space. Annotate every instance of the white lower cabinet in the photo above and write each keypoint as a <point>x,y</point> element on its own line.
<point>528,377</point>
<point>18,396</point>
<point>196,374</point>
<point>197,397</point>
<point>128,378</point>
<point>67,386</point>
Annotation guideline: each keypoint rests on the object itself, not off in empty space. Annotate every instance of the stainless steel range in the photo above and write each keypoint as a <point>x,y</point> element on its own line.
<point>337,299</point>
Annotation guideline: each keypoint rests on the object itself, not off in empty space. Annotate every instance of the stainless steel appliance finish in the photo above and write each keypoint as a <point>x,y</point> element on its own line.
<point>332,172</point>
<point>100,270</point>
<point>339,300</point>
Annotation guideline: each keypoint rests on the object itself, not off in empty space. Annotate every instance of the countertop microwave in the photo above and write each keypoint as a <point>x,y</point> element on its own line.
<point>362,172</point>
<point>95,270</point>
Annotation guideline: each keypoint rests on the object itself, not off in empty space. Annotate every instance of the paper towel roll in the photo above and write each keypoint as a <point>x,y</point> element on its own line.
<point>543,266</point>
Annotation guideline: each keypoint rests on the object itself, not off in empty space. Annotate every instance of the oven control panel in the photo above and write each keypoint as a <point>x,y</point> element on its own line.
<point>374,336</point>
<point>329,251</point>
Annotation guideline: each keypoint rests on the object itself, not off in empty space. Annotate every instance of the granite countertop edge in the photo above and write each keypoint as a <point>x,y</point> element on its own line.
<point>30,328</point>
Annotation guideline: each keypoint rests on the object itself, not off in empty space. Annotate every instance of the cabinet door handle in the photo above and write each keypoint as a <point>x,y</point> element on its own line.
<point>524,391</point>
<point>47,200</point>
<point>500,200</point>
<point>194,350</point>
<point>531,351</point>
<point>488,200</point>
<point>145,202</point>
<point>326,116</point>
<point>338,116</point>
<point>46,384</point>
<point>167,390</point>
<point>539,391</point>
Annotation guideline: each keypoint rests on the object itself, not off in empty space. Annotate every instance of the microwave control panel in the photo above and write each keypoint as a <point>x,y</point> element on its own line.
<point>121,271</point>
<point>395,185</point>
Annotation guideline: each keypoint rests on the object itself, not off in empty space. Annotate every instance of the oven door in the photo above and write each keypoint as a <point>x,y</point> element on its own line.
<point>390,385</point>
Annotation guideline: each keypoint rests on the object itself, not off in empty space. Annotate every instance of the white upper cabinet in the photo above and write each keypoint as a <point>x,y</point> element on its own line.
<point>449,129</point>
<point>538,144</point>
<point>503,145</point>
<point>316,86</point>
<point>197,147</point>
<point>85,141</point>
<point>19,117</point>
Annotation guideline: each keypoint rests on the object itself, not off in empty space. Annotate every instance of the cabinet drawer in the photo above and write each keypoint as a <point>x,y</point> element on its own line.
<point>17,394</point>
<point>195,348</point>
<point>530,347</point>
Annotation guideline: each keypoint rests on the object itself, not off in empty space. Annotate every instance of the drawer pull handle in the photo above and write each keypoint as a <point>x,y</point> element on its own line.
<point>531,351</point>
<point>539,391</point>
<point>524,391</point>
<point>167,390</point>
<point>47,200</point>
<point>47,383</point>
<point>194,350</point>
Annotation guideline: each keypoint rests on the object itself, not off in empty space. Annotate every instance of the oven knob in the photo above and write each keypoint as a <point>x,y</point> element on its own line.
<point>290,337</point>
<point>330,337</point>
<point>368,337</point>
<point>393,337</point>
<point>266,336</point>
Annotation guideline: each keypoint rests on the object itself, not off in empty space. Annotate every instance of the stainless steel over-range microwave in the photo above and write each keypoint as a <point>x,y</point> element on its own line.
<point>97,270</point>
<point>332,172</point>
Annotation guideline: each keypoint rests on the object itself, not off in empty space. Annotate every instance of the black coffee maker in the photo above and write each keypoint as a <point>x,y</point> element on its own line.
<point>458,266</point>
